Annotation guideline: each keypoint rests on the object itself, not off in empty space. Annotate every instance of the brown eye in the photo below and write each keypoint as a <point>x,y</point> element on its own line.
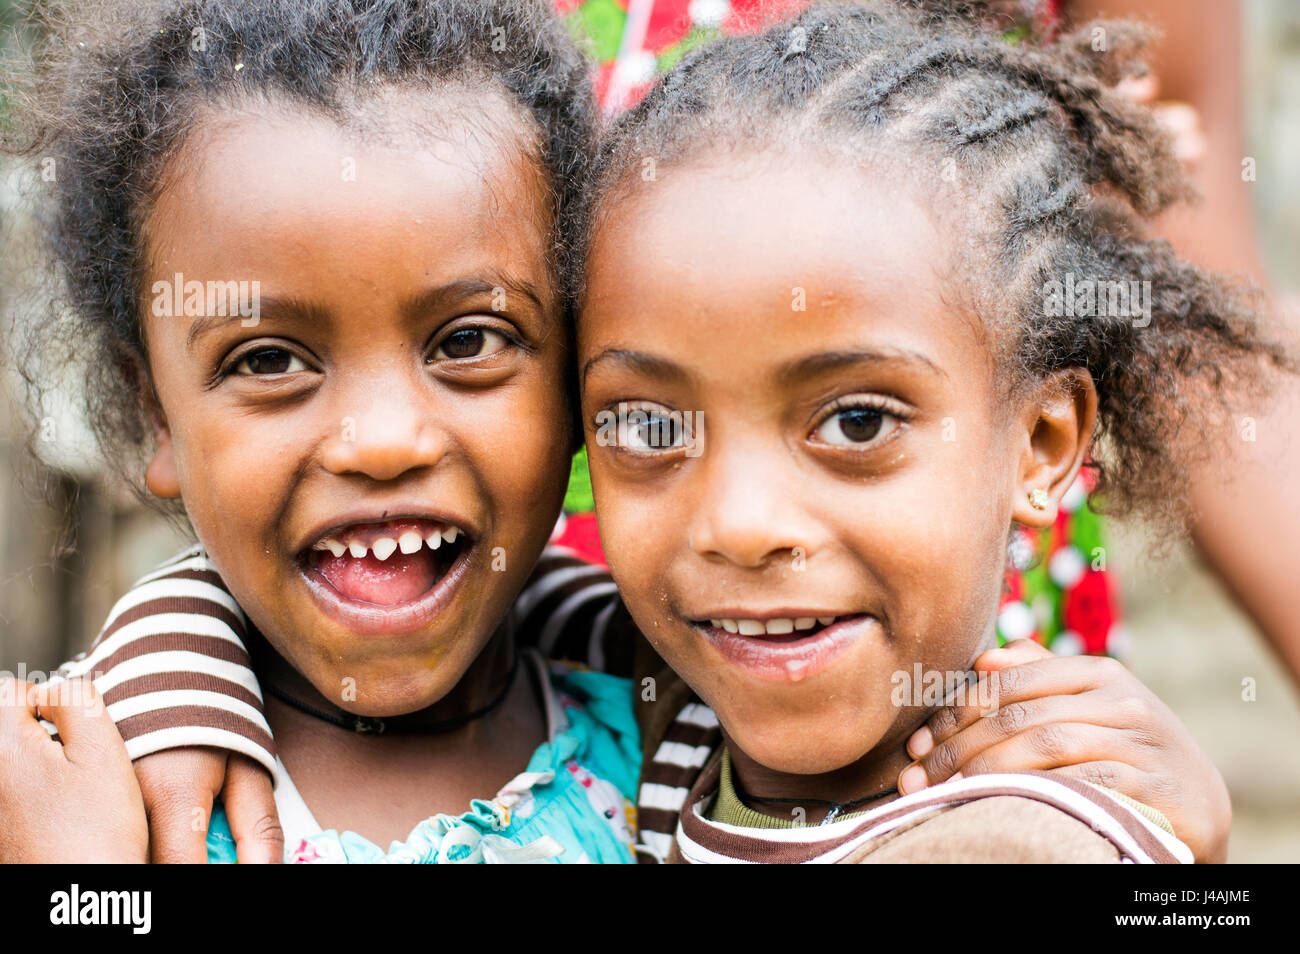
<point>269,361</point>
<point>860,424</point>
<point>856,426</point>
<point>470,343</point>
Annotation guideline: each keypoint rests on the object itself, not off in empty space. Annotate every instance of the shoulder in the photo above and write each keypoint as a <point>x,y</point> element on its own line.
<point>590,722</point>
<point>181,606</point>
<point>1012,819</point>
<point>576,693</point>
<point>172,667</point>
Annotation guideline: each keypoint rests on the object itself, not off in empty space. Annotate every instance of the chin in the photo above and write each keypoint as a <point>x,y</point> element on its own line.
<point>386,695</point>
<point>395,684</point>
<point>806,746</point>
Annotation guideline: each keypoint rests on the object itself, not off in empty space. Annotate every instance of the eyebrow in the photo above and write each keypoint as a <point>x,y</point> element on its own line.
<point>818,364</point>
<point>639,361</point>
<point>298,310</point>
<point>282,309</point>
<point>443,295</point>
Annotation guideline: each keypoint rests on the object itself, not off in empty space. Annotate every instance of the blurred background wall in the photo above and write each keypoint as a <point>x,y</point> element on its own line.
<point>72,539</point>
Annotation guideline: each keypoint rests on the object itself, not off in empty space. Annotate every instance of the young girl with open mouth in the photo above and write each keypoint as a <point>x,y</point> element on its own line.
<point>819,535</point>
<point>372,446</point>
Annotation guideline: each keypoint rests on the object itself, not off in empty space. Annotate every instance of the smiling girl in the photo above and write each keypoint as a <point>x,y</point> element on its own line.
<point>373,458</point>
<point>842,261</point>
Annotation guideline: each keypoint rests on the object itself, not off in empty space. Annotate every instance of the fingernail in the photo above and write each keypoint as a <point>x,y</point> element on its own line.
<point>955,776</point>
<point>921,742</point>
<point>912,780</point>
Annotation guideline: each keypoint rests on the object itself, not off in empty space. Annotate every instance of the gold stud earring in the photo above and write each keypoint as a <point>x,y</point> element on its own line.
<point>1038,498</point>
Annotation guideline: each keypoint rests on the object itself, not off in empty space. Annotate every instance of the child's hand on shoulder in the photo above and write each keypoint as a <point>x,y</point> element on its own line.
<point>1086,717</point>
<point>180,786</point>
<point>74,801</point>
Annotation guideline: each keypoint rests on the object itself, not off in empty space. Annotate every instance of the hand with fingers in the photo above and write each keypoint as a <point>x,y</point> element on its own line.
<point>180,787</point>
<point>74,799</point>
<point>1085,717</point>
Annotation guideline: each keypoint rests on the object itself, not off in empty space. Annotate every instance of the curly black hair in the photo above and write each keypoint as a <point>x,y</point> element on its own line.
<point>114,90</point>
<point>1047,174</point>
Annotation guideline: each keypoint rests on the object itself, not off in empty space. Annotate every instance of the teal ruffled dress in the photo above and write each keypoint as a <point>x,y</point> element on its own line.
<point>574,803</point>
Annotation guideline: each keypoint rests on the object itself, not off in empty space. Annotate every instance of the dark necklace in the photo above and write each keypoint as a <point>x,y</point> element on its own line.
<point>396,725</point>
<point>834,809</point>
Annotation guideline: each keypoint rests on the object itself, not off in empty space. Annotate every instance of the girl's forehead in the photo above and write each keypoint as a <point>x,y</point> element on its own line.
<point>257,185</point>
<point>734,264</point>
<point>476,130</point>
<point>722,228</point>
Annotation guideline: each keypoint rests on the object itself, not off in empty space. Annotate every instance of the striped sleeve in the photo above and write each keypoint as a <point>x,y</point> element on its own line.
<point>1026,817</point>
<point>570,609</point>
<point>172,668</point>
<point>679,739</point>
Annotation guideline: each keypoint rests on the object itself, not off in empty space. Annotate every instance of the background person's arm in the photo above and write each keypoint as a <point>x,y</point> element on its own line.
<point>1249,513</point>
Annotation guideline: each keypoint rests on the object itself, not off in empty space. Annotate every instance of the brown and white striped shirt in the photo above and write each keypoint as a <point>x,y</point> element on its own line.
<point>173,669</point>
<point>1026,817</point>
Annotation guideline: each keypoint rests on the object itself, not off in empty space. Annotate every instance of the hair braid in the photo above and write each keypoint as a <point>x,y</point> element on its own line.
<point>1051,174</point>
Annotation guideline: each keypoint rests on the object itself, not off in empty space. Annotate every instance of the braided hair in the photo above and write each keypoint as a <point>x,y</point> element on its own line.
<point>1046,173</point>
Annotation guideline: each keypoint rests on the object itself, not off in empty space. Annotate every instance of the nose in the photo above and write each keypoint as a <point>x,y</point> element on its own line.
<point>385,432</point>
<point>749,514</point>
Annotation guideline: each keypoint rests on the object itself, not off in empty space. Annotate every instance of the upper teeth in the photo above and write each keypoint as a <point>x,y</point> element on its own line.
<point>774,627</point>
<point>384,547</point>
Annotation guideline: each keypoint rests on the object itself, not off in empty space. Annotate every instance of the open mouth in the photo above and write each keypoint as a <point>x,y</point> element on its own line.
<point>785,648</point>
<point>388,564</point>
<point>782,628</point>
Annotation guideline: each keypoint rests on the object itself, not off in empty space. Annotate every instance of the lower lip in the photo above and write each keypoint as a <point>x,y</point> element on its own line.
<point>790,660</point>
<point>370,619</point>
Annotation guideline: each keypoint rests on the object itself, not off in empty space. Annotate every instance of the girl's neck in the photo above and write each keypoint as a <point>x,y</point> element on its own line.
<point>381,785</point>
<point>875,774</point>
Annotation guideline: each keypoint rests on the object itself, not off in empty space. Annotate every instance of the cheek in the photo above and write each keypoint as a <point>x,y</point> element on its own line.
<point>935,537</point>
<point>235,476</point>
<point>636,525</point>
<point>522,437</point>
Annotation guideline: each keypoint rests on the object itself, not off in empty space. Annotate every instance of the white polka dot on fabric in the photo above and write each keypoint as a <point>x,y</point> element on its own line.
<point>1016,621</point>
<point>1020,552</point>
<point>1118,641</point>
<point>636,68</point>
<point>1074,497</point>
<point>1067,643</point>
<point>1066,566</point>
<point>709,13</point>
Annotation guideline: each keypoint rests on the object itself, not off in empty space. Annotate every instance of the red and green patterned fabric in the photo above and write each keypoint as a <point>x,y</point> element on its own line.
<point>1062,595</point>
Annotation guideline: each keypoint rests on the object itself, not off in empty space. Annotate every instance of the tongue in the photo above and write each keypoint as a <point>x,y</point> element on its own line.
<point>399,579</point>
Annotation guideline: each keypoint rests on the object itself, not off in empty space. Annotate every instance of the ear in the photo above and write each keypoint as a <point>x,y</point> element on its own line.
<point>1058,423</point>
<point>161,476</point>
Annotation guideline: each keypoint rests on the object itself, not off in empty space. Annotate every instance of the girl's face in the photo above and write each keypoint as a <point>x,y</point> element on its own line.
<point>400,390</point>
<point>845,512</point>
